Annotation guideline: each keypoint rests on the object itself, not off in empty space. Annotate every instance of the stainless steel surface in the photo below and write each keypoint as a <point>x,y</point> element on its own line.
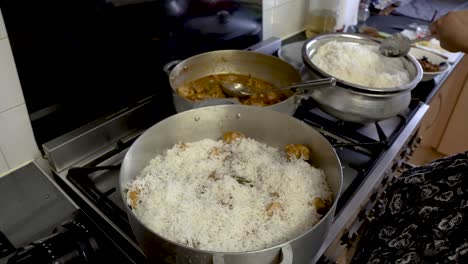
<point>268,46</point>
<point>239,89</point>
<point>85,142</point>
<point>31,205</point>
<point>356,106</point>
<point>344,220</point>
<point>398,45</point>
<point>273,128</point>
<point>268,68</point>
<point>312,45</point>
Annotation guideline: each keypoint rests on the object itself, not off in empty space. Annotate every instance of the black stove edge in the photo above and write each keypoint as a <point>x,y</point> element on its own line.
<point>129,252</point>
<point>384,164</point>
<point>132,254</point>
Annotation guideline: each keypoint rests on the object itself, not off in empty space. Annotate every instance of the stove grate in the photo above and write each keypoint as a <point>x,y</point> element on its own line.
<point>80,178</point>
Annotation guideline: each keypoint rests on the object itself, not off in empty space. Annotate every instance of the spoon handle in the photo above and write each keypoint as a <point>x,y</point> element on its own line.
<point>313,83</point>
<point>302,87</point>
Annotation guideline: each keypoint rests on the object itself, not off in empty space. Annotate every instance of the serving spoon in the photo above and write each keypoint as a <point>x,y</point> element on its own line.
<point>398,45</point>
<point>238,89</point>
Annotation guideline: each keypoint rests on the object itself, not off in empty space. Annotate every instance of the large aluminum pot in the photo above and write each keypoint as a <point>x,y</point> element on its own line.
<point>357,103</point>
<point>264,67</point>
<point>271,127</point>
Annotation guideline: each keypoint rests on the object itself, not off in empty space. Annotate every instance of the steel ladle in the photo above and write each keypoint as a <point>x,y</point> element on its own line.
<point>238,89</point>
<point>398,45</point>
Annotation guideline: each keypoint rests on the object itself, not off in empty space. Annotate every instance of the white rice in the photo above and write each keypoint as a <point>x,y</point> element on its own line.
<point>178,199</point>
<point>360,64</point>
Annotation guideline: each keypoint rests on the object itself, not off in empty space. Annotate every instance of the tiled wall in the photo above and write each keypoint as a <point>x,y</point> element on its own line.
<point>284,18</point>
<point>17,144</point>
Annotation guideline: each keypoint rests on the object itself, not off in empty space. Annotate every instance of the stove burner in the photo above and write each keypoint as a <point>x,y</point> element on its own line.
<point>72,242</point>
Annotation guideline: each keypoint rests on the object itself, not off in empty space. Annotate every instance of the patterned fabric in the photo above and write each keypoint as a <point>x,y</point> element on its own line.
<point>424,217</point>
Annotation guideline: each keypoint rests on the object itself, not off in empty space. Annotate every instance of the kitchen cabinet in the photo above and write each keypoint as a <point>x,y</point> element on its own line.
<point>455,138</point>
<point>444,128</point>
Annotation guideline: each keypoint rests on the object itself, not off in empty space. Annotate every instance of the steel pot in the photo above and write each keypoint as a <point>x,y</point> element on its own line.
<point>268,68</point>
<point>357,103</point>
<point>270,127</point>
<point>357,106</point>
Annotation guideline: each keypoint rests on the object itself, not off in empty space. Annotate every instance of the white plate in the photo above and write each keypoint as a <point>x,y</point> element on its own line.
<point>432,58</point>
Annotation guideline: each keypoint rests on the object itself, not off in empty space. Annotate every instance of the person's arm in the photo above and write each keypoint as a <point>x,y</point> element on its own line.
<point>452,31</point>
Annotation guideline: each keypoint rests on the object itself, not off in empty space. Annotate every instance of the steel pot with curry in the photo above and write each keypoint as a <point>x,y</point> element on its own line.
<point>198,81</point>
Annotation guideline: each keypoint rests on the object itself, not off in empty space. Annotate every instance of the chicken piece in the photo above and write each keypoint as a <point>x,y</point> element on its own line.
<point>207,88</point>
<point>183,146</point>
<point>320,205</point>
<point>297,151</point>
<point>230,137</point>
<point>215,152</point>
<point>256,100</point>
<point>213,176</point>
<point>273,208</point>
<point>186,91</point>
<point>133,195</point>
<point>272,98</point>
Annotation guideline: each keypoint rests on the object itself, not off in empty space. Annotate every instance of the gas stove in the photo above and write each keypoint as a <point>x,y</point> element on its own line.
<point>86,163</point>
<point>39,223</point>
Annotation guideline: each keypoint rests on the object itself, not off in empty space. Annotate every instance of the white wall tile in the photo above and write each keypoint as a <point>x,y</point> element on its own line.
<point>267,23</point>
<point>11,94</point>
<point>3,33</point>
<point>268,4</point>
<point>3,165</point>
<point>16,138</point>
<point>282,2</point>
<point>288,19</point>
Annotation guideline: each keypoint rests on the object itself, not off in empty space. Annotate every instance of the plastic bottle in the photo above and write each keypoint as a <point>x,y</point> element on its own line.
<point>321,17</point>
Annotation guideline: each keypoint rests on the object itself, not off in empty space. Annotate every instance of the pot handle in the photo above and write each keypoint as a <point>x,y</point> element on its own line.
<point>308,86</point>
<point>286,256</point>
<point>304,90</point>
<point>170,66</point>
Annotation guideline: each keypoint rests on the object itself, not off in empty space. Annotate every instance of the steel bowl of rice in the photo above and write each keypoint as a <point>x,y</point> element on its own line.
<point>370,87</point>
<point>355,61</point>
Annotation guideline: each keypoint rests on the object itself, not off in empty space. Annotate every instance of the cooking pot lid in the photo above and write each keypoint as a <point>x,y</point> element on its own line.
<point>223,25</point>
